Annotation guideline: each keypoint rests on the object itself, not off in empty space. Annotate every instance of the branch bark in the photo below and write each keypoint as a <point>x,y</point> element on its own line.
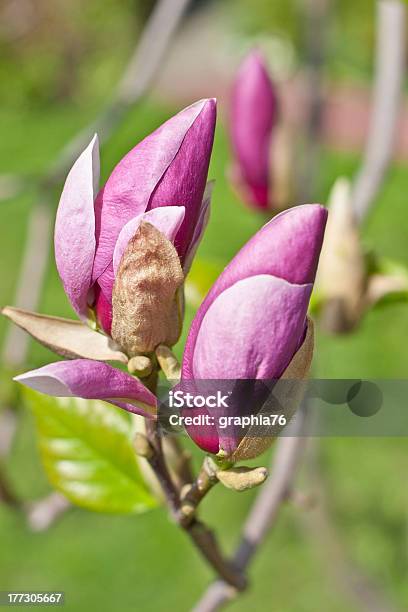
<point>201,536</point>
<point>390,68</point>
<point>265,510</point>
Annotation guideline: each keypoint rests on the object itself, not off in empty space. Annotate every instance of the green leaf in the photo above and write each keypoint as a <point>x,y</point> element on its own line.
<point>86,450</point>
<point>203,274</point>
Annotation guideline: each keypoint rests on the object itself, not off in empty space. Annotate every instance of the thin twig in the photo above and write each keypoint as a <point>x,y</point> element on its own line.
<point>194,493</point>
<point>159,466</point>
<point>7,431</point>
<point>390,70</point>
<point>135,82</point>
<point>8,426</point>
<point>202,537</point>
<point>265,510</point>
<point>180,460</point>
<point>11,185</point>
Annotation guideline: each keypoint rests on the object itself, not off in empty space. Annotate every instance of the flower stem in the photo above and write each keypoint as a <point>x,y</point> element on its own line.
<point>194,493</point>
<point>202,537</point>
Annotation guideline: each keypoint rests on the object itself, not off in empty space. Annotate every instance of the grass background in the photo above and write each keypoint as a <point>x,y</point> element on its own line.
<point>126,563</point>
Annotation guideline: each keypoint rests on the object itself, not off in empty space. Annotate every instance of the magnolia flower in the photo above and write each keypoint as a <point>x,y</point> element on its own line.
<point>254,116</point>
<point>161,182</point>
<point>252,324</point>
<point>122,252</point>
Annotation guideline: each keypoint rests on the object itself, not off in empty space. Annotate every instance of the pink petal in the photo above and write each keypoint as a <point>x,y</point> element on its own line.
<point>133,186</point>
<point>167,219</point>
<point>202,222</point>
<point>91,380</point>
<point>287,247</point>
<point>75,228</point>
<point>103,309</point>
<point>252,330</point>
<point>185,180</point>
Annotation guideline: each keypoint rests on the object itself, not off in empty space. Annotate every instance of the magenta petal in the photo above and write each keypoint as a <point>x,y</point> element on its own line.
<point>205,436</point>
<point>252,330</point>
<point>91,380</point>
<point>203,218</point>
<point>75,228</point>
<point>103,309</point>
<point>167,219</point>
<point>287,247</point>
<point>253,115</point>
<point>259,195</point>
<point>185,180</point>
<point>133,186</point>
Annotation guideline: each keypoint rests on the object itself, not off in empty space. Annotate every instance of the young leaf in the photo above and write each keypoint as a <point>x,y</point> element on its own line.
<point>70,339</point>
<point>86,449</point>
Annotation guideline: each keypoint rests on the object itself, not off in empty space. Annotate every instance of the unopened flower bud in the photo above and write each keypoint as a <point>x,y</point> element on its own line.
<point>140,365</point>
<point>254,116</point>
<point>162,180</point>
<point>242,478</point>
<point>168,362</point>
<point>341,278</point>
<point>253,326</point>
<point>145,304</point>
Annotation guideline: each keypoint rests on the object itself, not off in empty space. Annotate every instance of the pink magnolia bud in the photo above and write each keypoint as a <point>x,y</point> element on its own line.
<point>254,116</point>
<point>161,181</point>
<point>253,321</point>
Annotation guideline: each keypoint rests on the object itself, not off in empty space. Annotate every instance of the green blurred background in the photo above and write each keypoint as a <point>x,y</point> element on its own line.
<point>59,63</point>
